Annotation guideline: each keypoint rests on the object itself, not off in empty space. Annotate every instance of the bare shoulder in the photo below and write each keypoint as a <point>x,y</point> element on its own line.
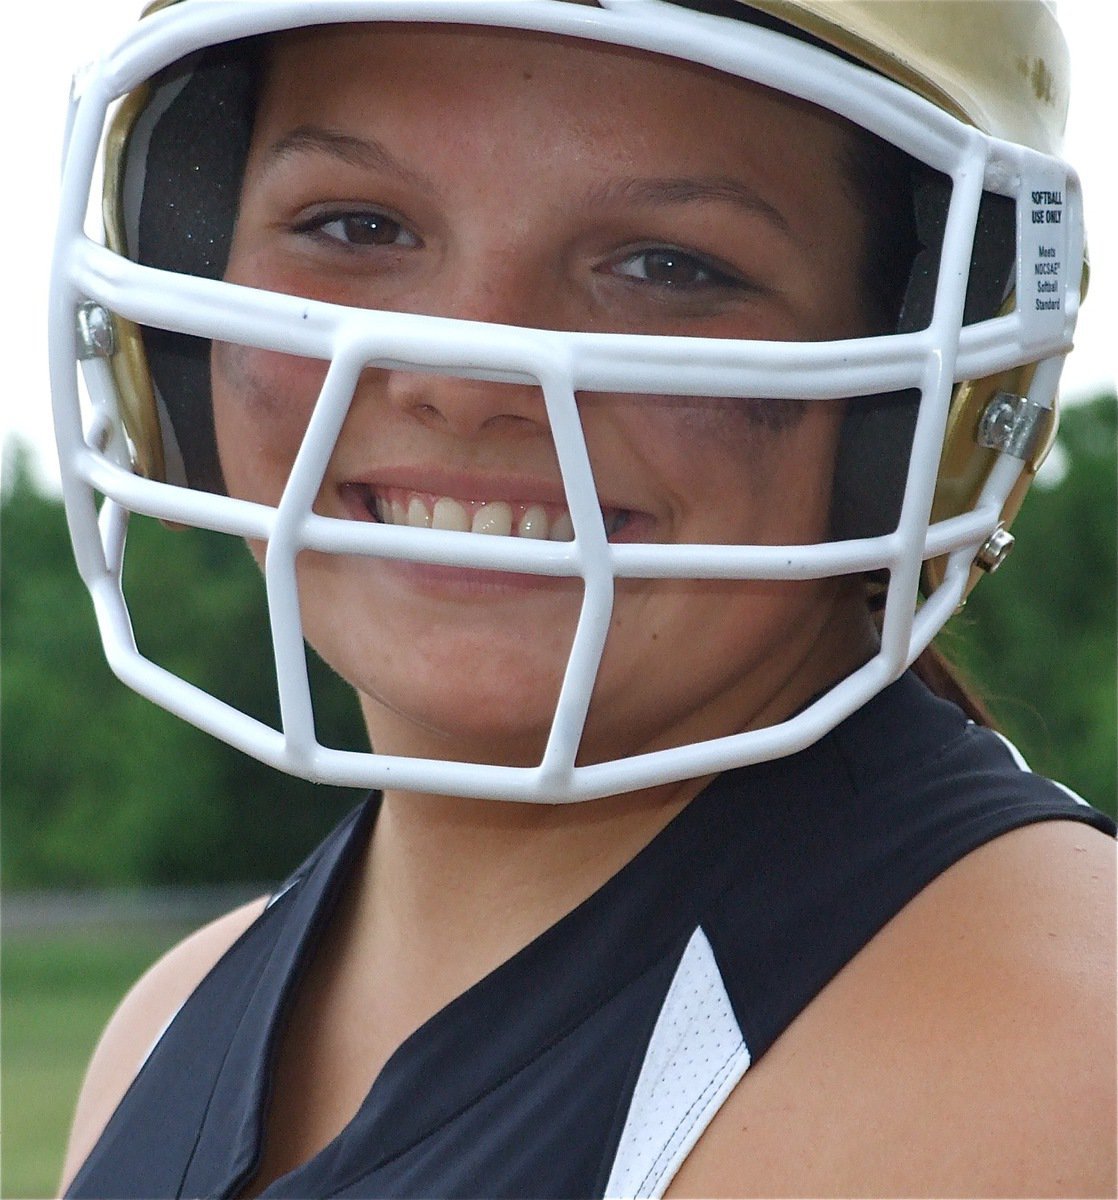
<point>138,1021</point>
<point>969,1049</point>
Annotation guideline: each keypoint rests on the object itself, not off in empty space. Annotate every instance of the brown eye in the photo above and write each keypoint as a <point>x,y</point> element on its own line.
<point>362,229</point>
<point>669,267</point>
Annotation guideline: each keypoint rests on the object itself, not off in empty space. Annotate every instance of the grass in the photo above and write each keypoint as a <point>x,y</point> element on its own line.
<point>58,991</point>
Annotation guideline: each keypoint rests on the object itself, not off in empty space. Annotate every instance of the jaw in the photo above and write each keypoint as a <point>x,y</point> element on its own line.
<point>482,683</point>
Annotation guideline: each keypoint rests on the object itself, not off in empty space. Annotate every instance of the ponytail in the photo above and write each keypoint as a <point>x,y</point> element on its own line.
<point>945,679</point>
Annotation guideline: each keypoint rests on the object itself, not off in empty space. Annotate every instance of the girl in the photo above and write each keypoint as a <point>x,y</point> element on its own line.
<point>673,878</point>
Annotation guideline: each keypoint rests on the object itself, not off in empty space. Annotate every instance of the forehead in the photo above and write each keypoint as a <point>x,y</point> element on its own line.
<point>508,84</point>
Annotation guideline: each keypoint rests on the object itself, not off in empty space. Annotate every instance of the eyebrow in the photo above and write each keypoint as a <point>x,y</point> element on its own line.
<point>366,153</point>
<point>369,154</point>
<point>687,190</point>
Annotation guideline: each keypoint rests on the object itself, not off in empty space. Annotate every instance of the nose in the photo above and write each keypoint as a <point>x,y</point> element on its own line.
<point>500,288</point>
<point>468,408</point>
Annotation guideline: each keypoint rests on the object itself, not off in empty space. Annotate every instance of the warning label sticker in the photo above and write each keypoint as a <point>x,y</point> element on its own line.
<point>1043,240</point>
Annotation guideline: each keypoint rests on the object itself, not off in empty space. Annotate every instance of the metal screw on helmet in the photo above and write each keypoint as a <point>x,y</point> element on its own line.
<point>1012,424</point>
<point>96,337</point>
<point>995,550</point>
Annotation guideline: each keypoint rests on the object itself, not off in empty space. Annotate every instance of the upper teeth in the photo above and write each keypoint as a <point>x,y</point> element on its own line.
<point>492,516</point>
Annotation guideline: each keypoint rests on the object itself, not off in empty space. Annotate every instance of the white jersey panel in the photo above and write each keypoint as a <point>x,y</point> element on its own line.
<point>695,1057</point>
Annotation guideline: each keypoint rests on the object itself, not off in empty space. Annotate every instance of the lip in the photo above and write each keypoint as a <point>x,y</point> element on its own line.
<point>471,583</point>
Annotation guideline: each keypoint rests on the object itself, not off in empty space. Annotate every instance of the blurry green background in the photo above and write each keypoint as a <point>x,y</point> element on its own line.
<point>102,791</point>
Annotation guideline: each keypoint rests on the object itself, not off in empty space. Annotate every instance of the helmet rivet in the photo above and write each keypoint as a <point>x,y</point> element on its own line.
<point>1013,425</point>
<point>96,337</point>
<point>995,550</point>
<point>997,418</point>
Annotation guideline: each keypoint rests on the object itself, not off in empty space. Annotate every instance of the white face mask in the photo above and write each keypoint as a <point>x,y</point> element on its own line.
<point>110,418</point>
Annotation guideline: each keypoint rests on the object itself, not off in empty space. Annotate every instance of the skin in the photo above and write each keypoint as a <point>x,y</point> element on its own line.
<point>571,258</point>
<point>961,1007</point>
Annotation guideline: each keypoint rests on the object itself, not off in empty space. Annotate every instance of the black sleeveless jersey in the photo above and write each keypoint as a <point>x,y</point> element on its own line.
<point>590,1062</point>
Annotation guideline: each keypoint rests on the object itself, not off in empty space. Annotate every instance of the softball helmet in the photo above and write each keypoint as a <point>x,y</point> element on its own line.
<point>951,409</point>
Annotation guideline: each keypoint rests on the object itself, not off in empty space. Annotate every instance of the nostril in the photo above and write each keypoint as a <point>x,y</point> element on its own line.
<point>427,410</point>
<point>465,406</point>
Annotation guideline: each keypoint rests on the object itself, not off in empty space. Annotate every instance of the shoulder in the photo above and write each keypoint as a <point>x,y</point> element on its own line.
<point>141,1018</point>
<point>1006,966</point>
<point>969,1049</point>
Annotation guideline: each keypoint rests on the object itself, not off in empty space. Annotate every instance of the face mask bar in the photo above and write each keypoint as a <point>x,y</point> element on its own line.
<point>95,453</point>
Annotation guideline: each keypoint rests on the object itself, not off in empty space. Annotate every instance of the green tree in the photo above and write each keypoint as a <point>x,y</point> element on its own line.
<point>98,785</point>
<point>1040,637</point>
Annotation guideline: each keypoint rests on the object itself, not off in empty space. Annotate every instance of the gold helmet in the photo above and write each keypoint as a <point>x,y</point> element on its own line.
<point>1003,68</point>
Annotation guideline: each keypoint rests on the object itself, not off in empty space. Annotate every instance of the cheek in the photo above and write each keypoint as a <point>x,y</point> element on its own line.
<point>668,432</point>
<point>742,473</point>
<point>262,404</point>
<point>735,470</point>
<point>747,426</point>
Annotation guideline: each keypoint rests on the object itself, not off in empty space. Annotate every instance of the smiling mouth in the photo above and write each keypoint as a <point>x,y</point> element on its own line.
<point>502,518</point>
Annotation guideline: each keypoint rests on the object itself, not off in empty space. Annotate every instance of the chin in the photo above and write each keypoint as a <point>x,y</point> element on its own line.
<point>496,734</point>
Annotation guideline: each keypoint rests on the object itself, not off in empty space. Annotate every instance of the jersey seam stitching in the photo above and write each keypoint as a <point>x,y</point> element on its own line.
<point>656,1172</point>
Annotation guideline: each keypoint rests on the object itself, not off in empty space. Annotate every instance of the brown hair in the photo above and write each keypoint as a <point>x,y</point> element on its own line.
<point>945,679</point>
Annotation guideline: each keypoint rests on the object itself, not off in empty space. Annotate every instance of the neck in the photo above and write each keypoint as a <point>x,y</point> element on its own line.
<point>450,889</point>
<point>464,884</point>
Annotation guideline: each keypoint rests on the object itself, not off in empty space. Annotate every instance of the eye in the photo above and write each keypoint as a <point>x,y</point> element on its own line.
<point>670,267</point>
<point>365,228</point>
